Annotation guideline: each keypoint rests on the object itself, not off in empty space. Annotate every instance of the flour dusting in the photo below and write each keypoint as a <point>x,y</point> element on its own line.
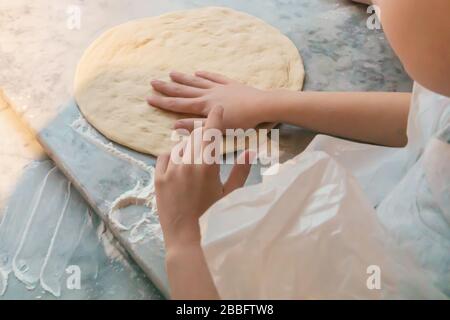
<point>146,226</point>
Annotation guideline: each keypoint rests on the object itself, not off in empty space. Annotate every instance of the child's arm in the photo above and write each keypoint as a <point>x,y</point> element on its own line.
<point>184,191</point>
<point>372,117</point>
<point>188,274</point>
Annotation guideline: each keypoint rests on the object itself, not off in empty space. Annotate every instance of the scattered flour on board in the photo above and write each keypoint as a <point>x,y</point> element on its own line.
<point>147,226</point>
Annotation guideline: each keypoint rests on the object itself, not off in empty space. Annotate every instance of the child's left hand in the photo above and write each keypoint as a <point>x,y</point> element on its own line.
<point>244,106</point>
<point>184,191</point>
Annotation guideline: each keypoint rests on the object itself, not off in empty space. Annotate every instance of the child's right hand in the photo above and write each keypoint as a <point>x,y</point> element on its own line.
<point>243,105</point>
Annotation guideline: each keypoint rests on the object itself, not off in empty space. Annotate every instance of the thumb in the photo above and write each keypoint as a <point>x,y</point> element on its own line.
<point>239,173</point>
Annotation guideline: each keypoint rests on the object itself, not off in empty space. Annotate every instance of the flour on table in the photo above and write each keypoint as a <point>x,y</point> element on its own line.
<point>146,226</point>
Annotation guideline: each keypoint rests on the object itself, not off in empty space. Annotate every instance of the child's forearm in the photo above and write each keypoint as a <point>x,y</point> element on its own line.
<point>379,118</point>
<point>372,117</point>
<point>188,273</point>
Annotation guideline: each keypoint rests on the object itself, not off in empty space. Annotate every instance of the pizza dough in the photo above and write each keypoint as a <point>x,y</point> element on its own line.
<point>113,77</point>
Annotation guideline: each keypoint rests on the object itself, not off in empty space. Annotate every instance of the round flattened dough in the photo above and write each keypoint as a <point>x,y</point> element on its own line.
<point>113,77</point>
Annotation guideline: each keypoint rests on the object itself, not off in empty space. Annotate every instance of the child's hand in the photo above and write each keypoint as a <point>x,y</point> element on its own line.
<point>184,191</point>
<point>200,93</point>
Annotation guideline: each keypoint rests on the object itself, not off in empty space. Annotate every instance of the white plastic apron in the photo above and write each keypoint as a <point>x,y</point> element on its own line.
<point>311,231</point>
